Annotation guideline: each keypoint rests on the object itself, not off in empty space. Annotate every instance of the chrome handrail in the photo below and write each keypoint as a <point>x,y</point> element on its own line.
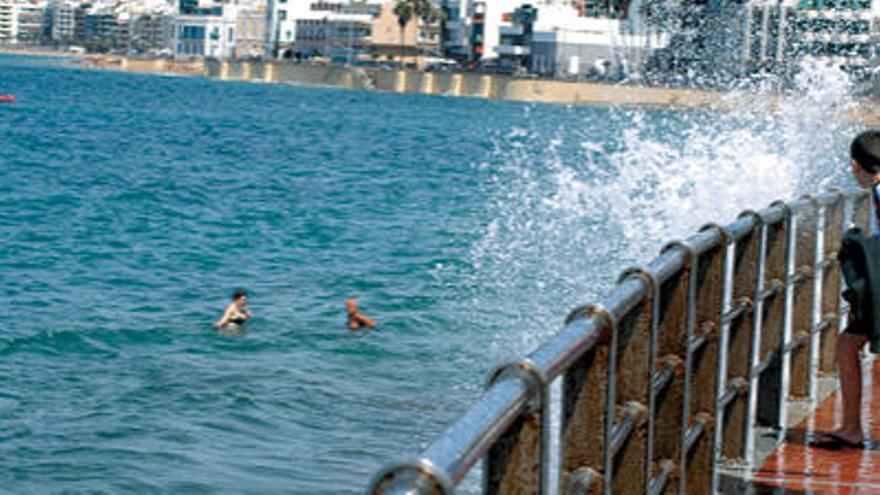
<point>699,327</point>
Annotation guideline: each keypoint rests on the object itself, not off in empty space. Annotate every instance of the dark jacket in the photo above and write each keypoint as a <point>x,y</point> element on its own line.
<point>859,258</point>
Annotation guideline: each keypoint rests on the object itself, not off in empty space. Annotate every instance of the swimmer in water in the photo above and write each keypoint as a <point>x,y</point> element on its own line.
<point>236,313</point>
<point>356,319</point>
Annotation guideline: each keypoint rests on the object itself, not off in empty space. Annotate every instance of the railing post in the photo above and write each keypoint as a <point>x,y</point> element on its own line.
<point>705,300</point>
<point>626,434</point>
<point>585,395</point>
<point>768,369</point>
<point>516,461</point>
<point>802,314</point>
<point>666,401</point>
<point>830,302</point>
<point>747,253</point>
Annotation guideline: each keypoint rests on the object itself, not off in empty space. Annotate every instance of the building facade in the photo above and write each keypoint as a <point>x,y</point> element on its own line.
<point>455,30</point>
<point>282,24</point>
<point>61,24</point>
<point>337,31</point>
<point>203,36</point>
<point>29,23</point>
<point>151,32</point>
<point>251,29</point>
<point>778,36</point>
<point>8,27</point>
<point>555,41</point>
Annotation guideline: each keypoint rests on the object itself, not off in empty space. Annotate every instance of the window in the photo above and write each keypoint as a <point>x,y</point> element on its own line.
<point>282,15</point>
<point>192,33</point>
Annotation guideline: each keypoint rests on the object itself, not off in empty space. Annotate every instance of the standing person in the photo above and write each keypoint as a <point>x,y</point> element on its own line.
<point>236,312</point>
<point>859,258</point>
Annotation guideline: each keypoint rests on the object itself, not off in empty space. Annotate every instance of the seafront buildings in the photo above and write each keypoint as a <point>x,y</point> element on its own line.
<point>777,35</point>
<point>686,42</point>
<point>21,22</point>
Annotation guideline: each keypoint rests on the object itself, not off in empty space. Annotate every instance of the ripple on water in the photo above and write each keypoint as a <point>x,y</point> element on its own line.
<point>466,228</point>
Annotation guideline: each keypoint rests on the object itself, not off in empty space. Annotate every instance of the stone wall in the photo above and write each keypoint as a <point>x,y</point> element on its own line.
<point>161,65</point>
<point>467,84</point>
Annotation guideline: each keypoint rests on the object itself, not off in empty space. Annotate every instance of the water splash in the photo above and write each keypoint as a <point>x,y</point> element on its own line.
<point>572,205</point>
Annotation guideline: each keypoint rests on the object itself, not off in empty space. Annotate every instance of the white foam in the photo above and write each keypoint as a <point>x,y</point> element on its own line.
<point>572,205</point>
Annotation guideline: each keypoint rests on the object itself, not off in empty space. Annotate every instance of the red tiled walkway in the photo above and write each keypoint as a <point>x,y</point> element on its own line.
<point>796,468</point>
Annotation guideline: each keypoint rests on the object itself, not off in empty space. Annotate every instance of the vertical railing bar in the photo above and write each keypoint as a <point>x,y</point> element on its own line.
<point>785,357</point>
<point>708,275</point>
<point>547,457</point>
<point>652,359</point>
<point>689,372</point>
<point>530,374</point>
<point>643,393</point>
<point>675,337</point>
<point>689,335</point>
<point>767,377</point>
<point>723,348</point>
<point>611,402</point>
<point>754,354</point>
<point>583,418</point>
<point>816,304</point>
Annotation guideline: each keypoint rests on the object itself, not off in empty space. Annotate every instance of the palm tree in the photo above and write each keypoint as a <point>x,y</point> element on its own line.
<point>404,11</point>
<point>415,10</point>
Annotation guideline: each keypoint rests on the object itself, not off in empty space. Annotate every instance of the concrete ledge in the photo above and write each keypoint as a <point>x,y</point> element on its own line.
<point>864,111</point>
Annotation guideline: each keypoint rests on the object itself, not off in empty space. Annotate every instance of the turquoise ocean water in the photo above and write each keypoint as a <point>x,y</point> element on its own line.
<point>131,206</point>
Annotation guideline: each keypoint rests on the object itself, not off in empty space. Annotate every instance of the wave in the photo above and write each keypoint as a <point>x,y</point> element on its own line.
<point>570,205</point>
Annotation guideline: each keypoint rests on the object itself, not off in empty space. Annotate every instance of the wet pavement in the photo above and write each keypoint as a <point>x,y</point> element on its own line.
<point>796,467</point>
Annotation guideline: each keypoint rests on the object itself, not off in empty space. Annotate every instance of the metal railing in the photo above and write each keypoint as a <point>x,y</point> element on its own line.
<point>674,369</point>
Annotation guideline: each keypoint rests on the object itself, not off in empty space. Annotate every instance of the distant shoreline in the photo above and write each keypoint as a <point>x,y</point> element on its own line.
<point>863,111</point>
<point>41,52</point>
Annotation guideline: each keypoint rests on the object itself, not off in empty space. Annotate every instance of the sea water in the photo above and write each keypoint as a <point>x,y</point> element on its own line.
<point>132,206</point>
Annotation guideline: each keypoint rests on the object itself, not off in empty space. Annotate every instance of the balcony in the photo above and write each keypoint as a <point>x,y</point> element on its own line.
<point>513,50</point>
<point>514,30</point>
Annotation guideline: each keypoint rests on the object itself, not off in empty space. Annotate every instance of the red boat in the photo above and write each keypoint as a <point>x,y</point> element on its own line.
<point>7,99</point>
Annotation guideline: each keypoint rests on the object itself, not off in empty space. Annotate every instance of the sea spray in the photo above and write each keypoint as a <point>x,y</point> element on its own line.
<point>571,205</point>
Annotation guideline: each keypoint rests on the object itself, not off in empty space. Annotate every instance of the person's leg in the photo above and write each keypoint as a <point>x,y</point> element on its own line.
<point>849,367</point>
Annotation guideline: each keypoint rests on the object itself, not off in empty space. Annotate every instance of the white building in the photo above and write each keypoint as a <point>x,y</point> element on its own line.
<point>204,36</point>
<point>340,36</point>
<point>61,16</point>
<point>282,23</point>
<point>8,27</point>
<point>251,28</point>
<point>562,43</point>
<point>486,19</point>
<point>29,19</point>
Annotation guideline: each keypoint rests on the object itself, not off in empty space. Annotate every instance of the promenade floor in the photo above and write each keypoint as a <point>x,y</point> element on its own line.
<point>798,468</point>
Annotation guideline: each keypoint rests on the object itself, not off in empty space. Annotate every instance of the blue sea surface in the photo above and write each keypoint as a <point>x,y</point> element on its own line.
<point>132,206</point>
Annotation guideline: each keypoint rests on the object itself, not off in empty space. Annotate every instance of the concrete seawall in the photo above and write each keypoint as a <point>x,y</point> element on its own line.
<point>463,84</point>
<point>864,111</point>
<point>155,65</point>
